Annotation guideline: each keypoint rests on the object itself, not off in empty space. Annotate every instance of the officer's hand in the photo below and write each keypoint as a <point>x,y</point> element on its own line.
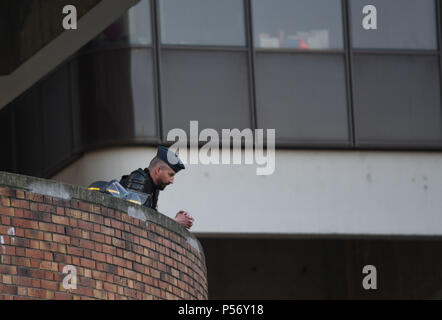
<point>184,218</point>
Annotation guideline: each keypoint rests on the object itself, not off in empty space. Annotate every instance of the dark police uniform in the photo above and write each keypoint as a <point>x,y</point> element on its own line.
<point>141,181</point>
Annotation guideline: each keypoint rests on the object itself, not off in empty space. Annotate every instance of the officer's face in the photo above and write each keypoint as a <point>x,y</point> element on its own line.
<point>165,177</point>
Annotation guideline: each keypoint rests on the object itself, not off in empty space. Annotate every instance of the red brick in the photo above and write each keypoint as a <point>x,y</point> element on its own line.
<point>87,244</point>
<point>60,220</point>
<point>7,211</point>
<point>73,232</point>
<point>87,263</point>
<point>19,194</point>
<point>48,265</point>
<point>98,275</point>
<point>4,201</point>
<point>109,249</point>
<point>38,293</point>
<point>7,192</point>
<point>33,196</point>
<point>73,222</point>
<point>96,218</point>
<point>49,285</point>
<point>62,296</point>
<point>46,208</point>
<point>61,229</point>
<point>75,251</point>
<point>106,230</point>
<point>61,239</point>
<point>118,243</point>
<point>21,261</point>
<point>87,253</point>
<point>48,256</point>
<point>74,213</point>
<point>49,246</point>
<point>22,281</point>
<point>117,224</point>
<point>46,227</point>
<point>36,254</point>
<point>8,289</point>
<point>47,236</point>
<point>99,256</point>
<point>97,228</point>
<point>97,237</point>
<point>110,287</point>
<point>85,225</point>
<point>36,215</point>
<point>16,203</point>
<point>119,262</point>
<point>85,206</point>
<point>34,234</point>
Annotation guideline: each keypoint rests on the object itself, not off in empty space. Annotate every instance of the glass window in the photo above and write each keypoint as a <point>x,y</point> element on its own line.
<point>57,117</point>
<point>6,159</point>
<point>210,87</point>
<point>202,22</point>
<point>29,132</point>
<point>400,24</point>
<point>302,96</point>
<point>397,99</point>
<point>117,96</point>
<point>132,28</point>
<point>300,24</point>
<point>139,28</point>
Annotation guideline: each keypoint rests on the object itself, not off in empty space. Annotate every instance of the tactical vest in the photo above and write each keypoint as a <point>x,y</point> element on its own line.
<point>140,181</point>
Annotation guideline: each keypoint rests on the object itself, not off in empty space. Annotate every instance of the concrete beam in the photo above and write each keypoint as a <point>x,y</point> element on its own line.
<point>60,48</point>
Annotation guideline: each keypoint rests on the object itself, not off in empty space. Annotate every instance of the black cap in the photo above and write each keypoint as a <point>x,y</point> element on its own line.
<point>170,158</point>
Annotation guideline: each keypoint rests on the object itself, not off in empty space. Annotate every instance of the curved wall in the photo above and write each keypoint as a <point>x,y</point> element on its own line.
<point>118,250</point>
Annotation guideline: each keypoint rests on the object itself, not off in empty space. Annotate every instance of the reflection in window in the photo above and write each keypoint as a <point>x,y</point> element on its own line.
<point>132,28</point>
<point>303,96</point>
<point>299,24</point>
<point>202,22</point>
<point>401,24</point>
<point>397,99</point>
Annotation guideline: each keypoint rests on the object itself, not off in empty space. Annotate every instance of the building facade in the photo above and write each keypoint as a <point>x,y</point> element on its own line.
<point>353,91</point>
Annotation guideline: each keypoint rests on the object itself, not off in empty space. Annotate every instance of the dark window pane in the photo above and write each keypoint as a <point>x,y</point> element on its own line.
<point>397,99</point>
<point>75,101</point>
<point>117,97</point>
<point>303,24</point>
<point>132,28</point>
<point>29,133</point>
<point>202,22</point>
<point>6,156</point>
<point>210,87</point>
<point>56,105</point>
<point>401,24</point>
<point>302,96</point>
<point>143,97</point>
<point>139,31</point>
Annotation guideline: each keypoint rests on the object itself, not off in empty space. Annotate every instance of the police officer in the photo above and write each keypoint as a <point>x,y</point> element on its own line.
<point>160,173</point>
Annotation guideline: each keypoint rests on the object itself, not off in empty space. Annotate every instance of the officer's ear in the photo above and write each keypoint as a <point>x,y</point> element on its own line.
<point>157,170</point>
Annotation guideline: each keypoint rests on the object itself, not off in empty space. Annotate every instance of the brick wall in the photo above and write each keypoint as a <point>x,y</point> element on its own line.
<point>119,250</point>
